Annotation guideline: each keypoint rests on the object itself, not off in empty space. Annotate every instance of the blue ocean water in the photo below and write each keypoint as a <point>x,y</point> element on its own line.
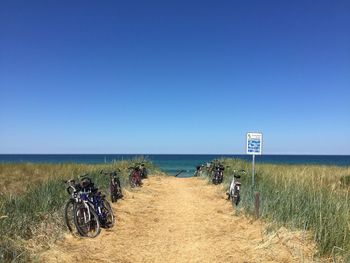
<point>173,163</point>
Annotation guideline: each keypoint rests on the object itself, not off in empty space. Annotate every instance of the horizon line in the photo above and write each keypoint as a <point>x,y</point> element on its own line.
<point>174,154</point>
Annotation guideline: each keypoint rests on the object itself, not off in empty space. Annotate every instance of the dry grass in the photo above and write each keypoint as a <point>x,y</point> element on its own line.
<point>16,178</point>
<point>31,203</point>
<point>315,198</point>
<point>183,220</point>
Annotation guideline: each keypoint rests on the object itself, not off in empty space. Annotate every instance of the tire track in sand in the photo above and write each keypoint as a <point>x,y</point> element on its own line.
<point>181,220</point>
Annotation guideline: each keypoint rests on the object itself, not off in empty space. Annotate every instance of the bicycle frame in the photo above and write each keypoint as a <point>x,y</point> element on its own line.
<point>217,173</point>
<point>135,175</point>
<point>235,186</point>
<point>113,179</point>
<point>87,203</point>
<point>114,184</point>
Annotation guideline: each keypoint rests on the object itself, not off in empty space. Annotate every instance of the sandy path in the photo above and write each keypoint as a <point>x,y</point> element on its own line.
<point>181,220</point>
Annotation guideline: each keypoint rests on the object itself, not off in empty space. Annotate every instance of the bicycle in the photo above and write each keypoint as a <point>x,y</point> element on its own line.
<point>235,187</point>
<point>135,176</point>
<point>143,169</point>
<point>114,185</point>
<point>92,211</point>
<point>198,171</point>
<point>218,173</point>
<point>73,190</point>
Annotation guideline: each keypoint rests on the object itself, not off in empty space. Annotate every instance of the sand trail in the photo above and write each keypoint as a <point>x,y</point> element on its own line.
<point>181,220</point>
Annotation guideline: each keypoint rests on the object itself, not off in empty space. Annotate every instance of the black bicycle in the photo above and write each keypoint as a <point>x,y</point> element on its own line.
<point>198,171</point>
<point>85,217</point>
<point>218,173</point>
<point>87,208</point>
<point>114,185</point>
<point>135,176</point>
<point>95,199</point>
<point>143,169</point>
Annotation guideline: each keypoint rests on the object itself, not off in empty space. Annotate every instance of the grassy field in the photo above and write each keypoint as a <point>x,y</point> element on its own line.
<point>32,197</point>
<point>307,197</point>
<point>313,198</point>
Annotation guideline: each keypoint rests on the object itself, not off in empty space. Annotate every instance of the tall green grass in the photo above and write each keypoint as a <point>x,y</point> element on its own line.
<point>313,198</point>
<point>31,216</point>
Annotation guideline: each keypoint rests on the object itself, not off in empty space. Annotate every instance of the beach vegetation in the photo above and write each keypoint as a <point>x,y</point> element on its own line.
<point>32,200</point>
<point>312,198</point>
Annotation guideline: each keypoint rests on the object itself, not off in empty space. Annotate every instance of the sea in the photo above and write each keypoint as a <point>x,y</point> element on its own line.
<point>174,163</point>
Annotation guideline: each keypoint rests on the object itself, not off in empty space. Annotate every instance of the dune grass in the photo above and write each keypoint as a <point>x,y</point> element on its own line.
<point>313,198</point>
<point>32,200</point>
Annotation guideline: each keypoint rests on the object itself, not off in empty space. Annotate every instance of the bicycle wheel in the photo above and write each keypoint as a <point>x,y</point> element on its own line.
<point>118,189</point>
<point>235,198</point>
<point>215,178</point>
<point>86,221</point>
<point>238,199</point>
<point>69,214</point>
<point>144,173</point>
<point>109,216</point>
<point>221,178</point>
<point>113,195</point>
<point>138,179</point>
<point>132,180</point>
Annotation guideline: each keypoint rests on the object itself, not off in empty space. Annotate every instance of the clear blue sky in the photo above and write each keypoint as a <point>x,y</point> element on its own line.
<point>174,76</point>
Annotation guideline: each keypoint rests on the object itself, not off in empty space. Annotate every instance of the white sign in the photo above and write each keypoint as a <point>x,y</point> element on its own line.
<point>254,143</point>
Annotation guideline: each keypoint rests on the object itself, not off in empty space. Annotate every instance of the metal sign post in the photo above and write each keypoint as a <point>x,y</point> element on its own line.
<point>254,146</point>
<point>253,170</point>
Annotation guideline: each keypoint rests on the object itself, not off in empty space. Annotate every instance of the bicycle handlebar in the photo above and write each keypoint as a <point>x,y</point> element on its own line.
<point>68,181</point>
